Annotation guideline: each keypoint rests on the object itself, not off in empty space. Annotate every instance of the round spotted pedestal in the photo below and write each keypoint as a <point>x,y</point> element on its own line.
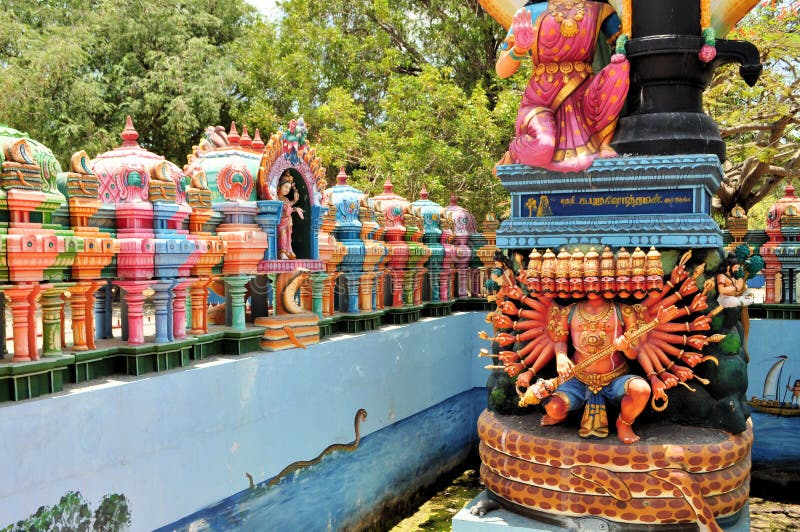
<point>674,476</point>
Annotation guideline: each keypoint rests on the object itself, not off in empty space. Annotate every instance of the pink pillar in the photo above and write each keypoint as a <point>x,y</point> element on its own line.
<point>134,299</point>
<point>444,286</point>
<point>33,352</point>
<point>179,308</point>
<point>397,288</point>
<point>20,306</point>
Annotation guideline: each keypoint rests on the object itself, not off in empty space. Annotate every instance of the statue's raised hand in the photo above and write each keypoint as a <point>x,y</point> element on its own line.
<point>701,323</point>
<point>564,365</point>
<point>524,380</point>
<point>684,374</point>
<point>522,26</point>
<point>659,388</point>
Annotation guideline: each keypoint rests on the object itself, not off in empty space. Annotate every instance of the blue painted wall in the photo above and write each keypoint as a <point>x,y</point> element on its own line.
<point>769,338</point>
<point>349,488</point>
<point>178,442</point>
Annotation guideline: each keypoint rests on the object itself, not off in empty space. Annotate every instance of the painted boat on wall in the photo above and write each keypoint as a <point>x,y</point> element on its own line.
<point>772,389</point>
<point>777,408</point>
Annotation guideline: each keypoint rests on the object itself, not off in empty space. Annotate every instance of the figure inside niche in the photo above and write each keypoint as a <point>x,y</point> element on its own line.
<point>288,194</point>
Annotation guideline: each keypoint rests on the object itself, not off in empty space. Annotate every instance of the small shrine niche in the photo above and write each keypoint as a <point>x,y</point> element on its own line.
<point>291,177</point>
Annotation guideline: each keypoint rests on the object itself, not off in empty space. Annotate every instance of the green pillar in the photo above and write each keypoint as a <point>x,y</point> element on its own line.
<point>235,291</point>
<point>52,303</point>
<point>189,312</point>
<point>317,280</point>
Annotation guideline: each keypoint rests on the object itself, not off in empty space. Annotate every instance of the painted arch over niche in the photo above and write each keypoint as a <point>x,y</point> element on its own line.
<point>281,155</point>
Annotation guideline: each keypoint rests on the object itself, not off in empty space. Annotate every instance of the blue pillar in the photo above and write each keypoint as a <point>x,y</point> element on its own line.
<point>352,290</point>
<point>269,214</point>
<point>163,302</point>
<point>103,312</point>
<point>317,214</point>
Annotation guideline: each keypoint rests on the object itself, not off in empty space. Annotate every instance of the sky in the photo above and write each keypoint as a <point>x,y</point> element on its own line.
<point>267,7</point>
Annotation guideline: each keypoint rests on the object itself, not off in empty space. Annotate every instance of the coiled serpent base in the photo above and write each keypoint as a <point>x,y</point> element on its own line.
<point>662,480</point>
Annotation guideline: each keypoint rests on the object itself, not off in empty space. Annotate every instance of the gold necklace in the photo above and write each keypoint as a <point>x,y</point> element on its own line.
<point>593,319</point>
<point>560,11</point>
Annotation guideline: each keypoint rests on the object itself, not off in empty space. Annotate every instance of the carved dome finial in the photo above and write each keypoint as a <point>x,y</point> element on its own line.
<point>388,187</point>
<point>341,178</point>
<point>245,140</point>
<point>423,193</point>
<point>453,199</point>
<point>233,135</point>
<point>129,135</point>
<point>257,144</point>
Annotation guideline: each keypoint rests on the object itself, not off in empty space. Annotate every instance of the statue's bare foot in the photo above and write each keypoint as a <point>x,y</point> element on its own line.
<point>547,420</point>
<point>506,159</point>
<point>483,506</point>
<point>606,152</point>
<point>625,432</point>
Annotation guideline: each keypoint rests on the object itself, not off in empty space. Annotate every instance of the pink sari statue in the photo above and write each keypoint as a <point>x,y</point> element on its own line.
<point>285,189</point>
<point>568,115</point>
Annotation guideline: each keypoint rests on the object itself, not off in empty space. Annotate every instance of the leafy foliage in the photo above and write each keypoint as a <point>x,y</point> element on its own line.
<point>403,89</point>
<point>71,71</point>
<point>72,514</point>
<point>760,123</point>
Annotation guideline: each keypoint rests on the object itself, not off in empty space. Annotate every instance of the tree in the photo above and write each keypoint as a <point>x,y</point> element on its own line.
<point>403,90</point>
<point>76,68</point>
<point>760,124</point>
<point>73,514</point>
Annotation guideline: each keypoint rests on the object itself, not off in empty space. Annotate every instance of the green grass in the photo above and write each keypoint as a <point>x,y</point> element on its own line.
<point>438,512</point>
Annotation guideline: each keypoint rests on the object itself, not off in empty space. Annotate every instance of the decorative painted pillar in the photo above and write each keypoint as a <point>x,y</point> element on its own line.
<point>78,304</point>
<point>307,295</point>
<point>179,308</point>
<point>199,301</point>
<point>418,284</point>
<point>103,312</point>
<point>18,294</point>
<point>162,299</point>
<point>90,308</point>
<point>788,282</point>
<point>269,214</point>
<point>235,292</point>
<point>365,291</point>
<point>408,288</point>
<point>133,308</point>
<point>328,293</point>
<point>2,326</point>
<point>380,286</point>
<point>52,308</point>
<point>397,287</point>
<point>317,289</point>
<point>352,280</point>
<point>32,322</point>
